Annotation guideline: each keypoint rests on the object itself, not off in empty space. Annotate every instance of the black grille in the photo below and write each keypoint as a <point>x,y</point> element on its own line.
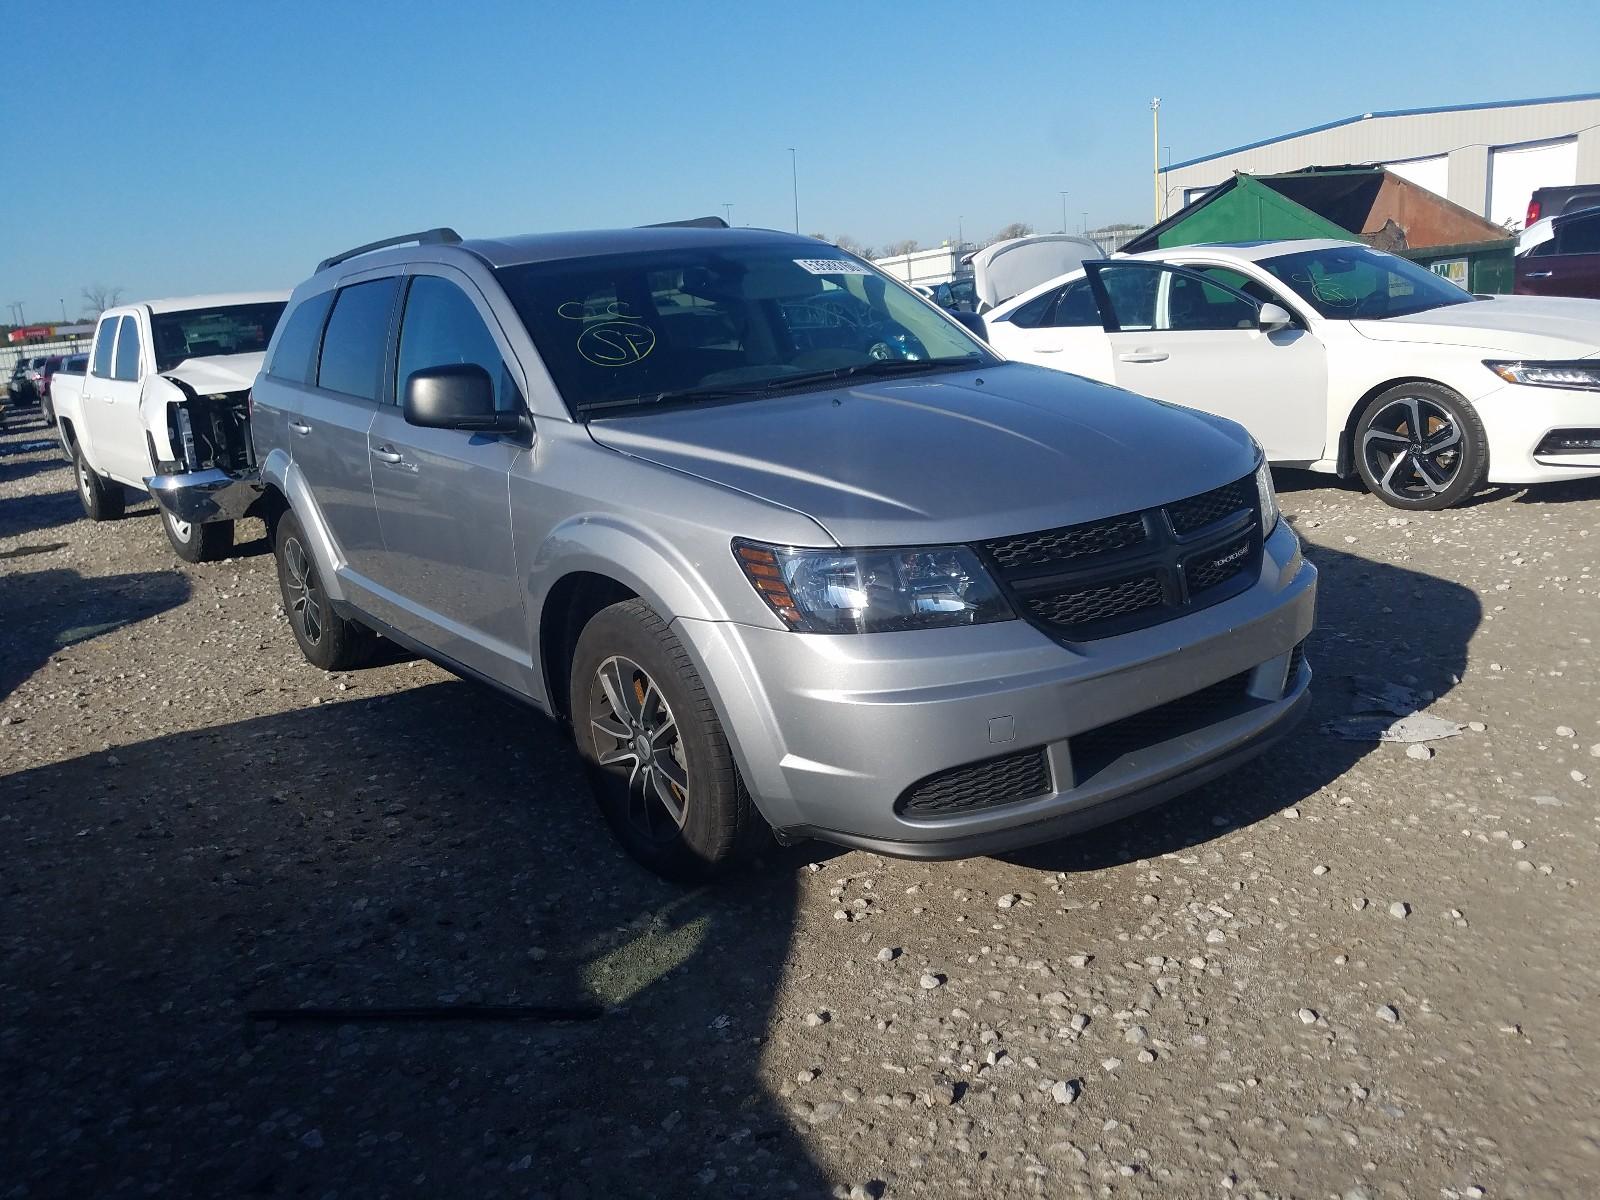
<point>1084,605</point>
<point>1297,658</point>
<point>1098,748</point>
<point>1217,566</point>
<point>1209,507</point>
<point>978,785</point>
<point>1133,570</point>
<point>1073,541</point>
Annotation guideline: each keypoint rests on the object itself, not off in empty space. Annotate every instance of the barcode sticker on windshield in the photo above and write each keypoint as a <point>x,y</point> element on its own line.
<point>830,266</point>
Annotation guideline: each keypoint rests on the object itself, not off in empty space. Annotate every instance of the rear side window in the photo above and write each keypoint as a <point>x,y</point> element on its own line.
<point>1074,307</point>
<point>357,335</point>
<point>296,352</point>
<point>1580,237</point>
<point>1032,314</point>
<point>127,365</point>
<point>441,328</point>
<point>103,337</point>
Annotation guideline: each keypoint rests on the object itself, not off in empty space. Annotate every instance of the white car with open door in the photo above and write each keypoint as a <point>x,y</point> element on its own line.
<point>1337,357</point>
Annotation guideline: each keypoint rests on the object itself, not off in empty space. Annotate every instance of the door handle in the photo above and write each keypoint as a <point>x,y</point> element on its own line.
<point>299,427</point>
<point>1540,274</point>
<point>1144,356</point>
<point>385,455</point>
<point>1048,349</point>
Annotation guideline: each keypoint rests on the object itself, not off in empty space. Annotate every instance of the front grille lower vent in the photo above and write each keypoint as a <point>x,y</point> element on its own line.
<point>1121,573</point>
<point>1094,750</point>
<point>979,785</point>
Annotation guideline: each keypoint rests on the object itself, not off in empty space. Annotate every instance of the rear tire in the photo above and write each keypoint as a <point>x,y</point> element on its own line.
<point>102,499</point>
<point>1420,446</point>
<point>657,758</point>
<point>195,542</point>
<point>326,639</point>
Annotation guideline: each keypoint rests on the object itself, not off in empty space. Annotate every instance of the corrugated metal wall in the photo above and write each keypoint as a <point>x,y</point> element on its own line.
<point>1466,136</point>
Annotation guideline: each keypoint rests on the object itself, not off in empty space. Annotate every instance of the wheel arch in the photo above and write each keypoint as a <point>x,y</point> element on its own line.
<point>571,603</point>
<point>1347,458</point>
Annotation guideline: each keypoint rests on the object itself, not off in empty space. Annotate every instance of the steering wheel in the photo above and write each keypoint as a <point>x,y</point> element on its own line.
<point>1369,305</point>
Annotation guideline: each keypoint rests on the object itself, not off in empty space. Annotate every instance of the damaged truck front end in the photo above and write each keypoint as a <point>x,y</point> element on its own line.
<point>208,471</point>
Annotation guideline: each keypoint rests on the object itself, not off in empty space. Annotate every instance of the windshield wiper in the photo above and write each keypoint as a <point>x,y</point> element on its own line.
<point>877,366</point>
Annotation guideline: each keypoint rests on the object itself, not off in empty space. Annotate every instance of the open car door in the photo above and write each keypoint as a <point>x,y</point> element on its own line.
<point>1177,335</point>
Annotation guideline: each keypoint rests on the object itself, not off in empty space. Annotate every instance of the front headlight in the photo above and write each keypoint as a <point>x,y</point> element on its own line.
<point>872,591</point>
<point>1584,374</point>
<point>1268,497</point>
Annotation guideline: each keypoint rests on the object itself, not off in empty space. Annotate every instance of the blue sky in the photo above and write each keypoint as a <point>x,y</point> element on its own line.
<point>228,146</point>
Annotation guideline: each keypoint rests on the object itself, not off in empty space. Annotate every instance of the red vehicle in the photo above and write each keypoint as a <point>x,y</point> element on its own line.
<point>1564,263</point>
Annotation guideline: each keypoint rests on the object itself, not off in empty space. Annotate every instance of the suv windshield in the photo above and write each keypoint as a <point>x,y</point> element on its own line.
<point>1354,282</point>
<point>199,332</point>
<point>724,321</point>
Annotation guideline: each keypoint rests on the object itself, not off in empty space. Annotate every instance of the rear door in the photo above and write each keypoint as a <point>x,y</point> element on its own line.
<point>448,571</point>
<point>1568,264</point>
<point>1060,328</point>
<point>1177,335</point>
<point>328,428</point>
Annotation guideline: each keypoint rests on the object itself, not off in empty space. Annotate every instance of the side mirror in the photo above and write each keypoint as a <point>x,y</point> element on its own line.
<point>456,396</point>
<point>974,324</point>
<point>1273,317</point>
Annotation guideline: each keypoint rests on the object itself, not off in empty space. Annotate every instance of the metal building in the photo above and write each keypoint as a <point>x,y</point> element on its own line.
<point>1486,157</point>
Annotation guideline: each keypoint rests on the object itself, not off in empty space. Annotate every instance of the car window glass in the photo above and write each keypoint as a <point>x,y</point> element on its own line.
<point>357,334</point>
<point>1193,303</point>
<point>1074,307</point>
<point>127,364</point>
<point>296,351</point>
<point>1580,237</point>
<point>103,338</point>
<point>442,327</point>
<point>1131,292</point>
<point>1032,314</point>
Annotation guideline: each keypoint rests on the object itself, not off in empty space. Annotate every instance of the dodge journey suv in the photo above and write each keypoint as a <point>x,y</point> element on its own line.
<point>781,542</point>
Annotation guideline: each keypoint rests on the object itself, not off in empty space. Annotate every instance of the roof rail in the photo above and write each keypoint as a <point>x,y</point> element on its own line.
<point>691,223</point>
<point>427,237</point>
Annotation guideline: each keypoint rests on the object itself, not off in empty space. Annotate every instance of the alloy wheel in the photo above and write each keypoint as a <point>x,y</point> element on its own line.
<point>304,607</point>
<point>180,529</point>
<point>1412,448</point>
<point>637,741</point>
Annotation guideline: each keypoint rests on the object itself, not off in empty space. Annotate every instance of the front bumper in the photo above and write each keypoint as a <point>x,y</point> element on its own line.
<point>832,733</point>
<point>199,497</point>
<point>1517,419</point>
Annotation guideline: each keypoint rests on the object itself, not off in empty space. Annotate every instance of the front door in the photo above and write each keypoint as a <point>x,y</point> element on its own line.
<point>328,426</point>
<point>1180,336</point>
<point>449,570</point>
<point>111,405</point>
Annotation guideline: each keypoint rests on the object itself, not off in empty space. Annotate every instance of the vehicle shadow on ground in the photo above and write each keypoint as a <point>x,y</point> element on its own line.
<point>432,847</point>
<point>22,515</point>
<point>49,610</point>
<point>1372,619</point>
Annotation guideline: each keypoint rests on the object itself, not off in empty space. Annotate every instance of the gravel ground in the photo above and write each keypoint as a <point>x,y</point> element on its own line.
<point>1342,972</point>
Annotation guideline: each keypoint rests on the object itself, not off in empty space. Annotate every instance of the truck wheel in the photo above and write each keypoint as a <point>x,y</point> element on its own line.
<point>326,639</point>
<point>102,499</point>
<point>195,542</point>
<point>1421,446</point>
<point>655,752</point>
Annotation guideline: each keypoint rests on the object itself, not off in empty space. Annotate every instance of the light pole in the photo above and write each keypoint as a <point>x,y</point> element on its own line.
<point>1063,212</point>
<point>1086,224</point>
<point>794,179</point>
<point>1155,175</point>
<point>727,207</point>
<point>63,311</point>
<point>1166,193</point>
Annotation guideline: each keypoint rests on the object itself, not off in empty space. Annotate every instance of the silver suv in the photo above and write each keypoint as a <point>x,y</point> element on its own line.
<point>782,543</point>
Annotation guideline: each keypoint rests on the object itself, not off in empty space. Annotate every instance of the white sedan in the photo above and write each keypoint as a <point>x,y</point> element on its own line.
<point>1336,357</point>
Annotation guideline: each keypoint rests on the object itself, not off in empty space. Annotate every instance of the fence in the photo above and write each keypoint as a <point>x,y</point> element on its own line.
<point>9,354</point>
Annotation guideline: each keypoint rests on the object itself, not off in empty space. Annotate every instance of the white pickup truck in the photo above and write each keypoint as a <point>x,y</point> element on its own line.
<point>165,400</point>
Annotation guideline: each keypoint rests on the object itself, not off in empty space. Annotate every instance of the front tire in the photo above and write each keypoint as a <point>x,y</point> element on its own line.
<point>102,499</point>
<point>195,542</point>
<point>326,639</point>
<point>1421,446</point>
<point>657,758</point>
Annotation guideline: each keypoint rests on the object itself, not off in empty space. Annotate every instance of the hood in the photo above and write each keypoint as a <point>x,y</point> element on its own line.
<point>217,374</point>
<point>1524,326</point>
<point>945,458</point>
<point>1014,266</point>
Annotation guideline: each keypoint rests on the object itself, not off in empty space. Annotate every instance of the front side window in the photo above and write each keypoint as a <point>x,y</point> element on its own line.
<point>1352,282</point>
<point>1197,303</point>
<point>357,336</point>
<point>725,321</point>
<point>203,332</point>
<point>126,367</point>
<point>104,337</point>
<point>442,327</point>
<point>1132,291</point>
<point>1579,237</point>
